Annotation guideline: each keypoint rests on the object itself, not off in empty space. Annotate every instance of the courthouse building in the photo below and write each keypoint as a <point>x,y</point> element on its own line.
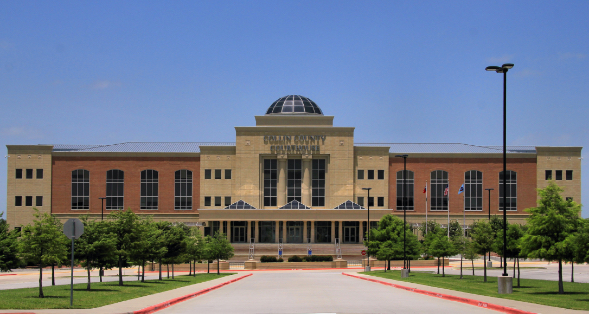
<point>291,178</point>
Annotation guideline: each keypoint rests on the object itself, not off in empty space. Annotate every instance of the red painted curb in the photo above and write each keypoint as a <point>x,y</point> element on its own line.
<point>163,305</point>
<point>8,274</point>
<point>482,304</point>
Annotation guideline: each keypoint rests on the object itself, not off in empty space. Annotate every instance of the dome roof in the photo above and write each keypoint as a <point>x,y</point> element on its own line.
<point>294,104</point>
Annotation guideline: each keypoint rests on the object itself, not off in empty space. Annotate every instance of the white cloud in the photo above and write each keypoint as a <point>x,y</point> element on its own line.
<point>500,60</point>
<point>22,132</point>
<point>104,84</point>
<point>570,55</point>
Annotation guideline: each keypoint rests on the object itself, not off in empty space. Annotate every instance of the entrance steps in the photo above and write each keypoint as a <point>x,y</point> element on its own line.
<point>241,250</point>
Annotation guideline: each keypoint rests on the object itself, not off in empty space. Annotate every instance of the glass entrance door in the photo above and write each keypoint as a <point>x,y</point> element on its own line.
<point>350,235</point>
<point>239,231</point>
<point>295,234</point>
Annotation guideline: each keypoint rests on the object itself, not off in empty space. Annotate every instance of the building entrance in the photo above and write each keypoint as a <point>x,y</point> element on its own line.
<point>294,232</point>
<point>239,231</point>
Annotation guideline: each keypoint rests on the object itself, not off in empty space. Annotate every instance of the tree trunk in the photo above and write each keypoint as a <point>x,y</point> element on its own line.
<point>143,273</point>
<point>218,266</point>
<point>53,274</point>
<point>194,274</point>
<point>572,271</point>
<point>189,267</point>
<point>460,266</point>
<point>472,263</point>
<point>120,271</point>
<point>41,281</point>
<point>208,267</point>
<point>88,286</point>
<point>100,273</point>
<point>389,267</point>
<point>160,262</point>
<point>409,261</point>
<point>518,273</point>
<point>443,270</point>
<point>168,270</point>
<point>138,272</point>
<point>172,270</point>
<point>514,268</point>
<point>485,269</point>
<point>560,285</point>
<point>438,265</point>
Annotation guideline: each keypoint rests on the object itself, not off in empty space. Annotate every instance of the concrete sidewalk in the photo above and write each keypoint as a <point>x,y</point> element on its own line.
<point>530,307</point>
<point>135,304</point>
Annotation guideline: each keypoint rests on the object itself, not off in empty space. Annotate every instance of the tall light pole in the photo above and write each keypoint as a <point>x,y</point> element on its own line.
<point>503,69</point>
<point>404,208</point>
<point>102,201</point>
<point>368,227</point>
<point>489,213</point>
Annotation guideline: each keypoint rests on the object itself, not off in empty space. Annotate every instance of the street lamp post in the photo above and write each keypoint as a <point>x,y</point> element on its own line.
<point>367,268</point>
<point>489,213</point>
<point>404,208</point>
<point>102,201</point>
<point>503,69</point>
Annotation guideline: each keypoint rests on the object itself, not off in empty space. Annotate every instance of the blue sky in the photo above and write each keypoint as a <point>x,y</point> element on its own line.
<point>101,72</point>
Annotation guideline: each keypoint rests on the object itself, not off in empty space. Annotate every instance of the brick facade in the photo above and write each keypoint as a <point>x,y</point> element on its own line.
<point>132,166</point>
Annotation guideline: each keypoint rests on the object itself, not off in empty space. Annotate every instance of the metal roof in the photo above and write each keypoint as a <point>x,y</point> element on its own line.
<point>459,148</point>
<point>141,147</point>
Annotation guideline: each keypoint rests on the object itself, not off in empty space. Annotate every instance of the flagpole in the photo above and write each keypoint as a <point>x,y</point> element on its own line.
<point>426,226</point>
<point>448,208</point>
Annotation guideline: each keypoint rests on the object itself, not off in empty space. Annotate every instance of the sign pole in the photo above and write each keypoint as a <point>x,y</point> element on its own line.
<point>72,273</point>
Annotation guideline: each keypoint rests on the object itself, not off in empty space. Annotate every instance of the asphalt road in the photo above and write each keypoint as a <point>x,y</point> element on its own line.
<point>315,292</point>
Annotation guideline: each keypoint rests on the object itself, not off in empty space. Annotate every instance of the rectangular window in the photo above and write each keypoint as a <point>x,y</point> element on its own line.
<point>270,182</point>
<point>217,174</point>
<point>548,175</point>
<point>29,174</point>
<point>371,201</point>
<point>217,201</point>
<point>569,174</point>
<point>409,196</point>
<point>18,201</point>
<point>473,190</point>
<point>294,180</point>
<point>207,174</point>
<point>381,201</point>
<point>39,201</point>
<point>115,184</point>
<point>28,201</point>
<point>360,174</point>
<point>183,190</point>
<point>318,182</point>
<point>511,187</point>
<point>438,185</point>
<point>149,189</point>
<point>18,174</point>
<point>322,231</point>
<point>80,189</point>
<point>207,201</point>
<point>39,173</point>
<point>227,200</point>
<point>381,174</point>
<point>370,174</point>
<point>227,174</point>
<point>361,200</point>
<point>558,174</point>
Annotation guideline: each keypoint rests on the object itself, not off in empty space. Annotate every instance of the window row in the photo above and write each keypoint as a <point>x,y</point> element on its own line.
<point>28,201</point>
<point>218,200</point>
<point>115,189</point>
<point>380,201</point>
<point>370,174</point>
<point>28,173</point>
<point>218,173</point>
<point>439,190</point>
<point>294,181</point>
<point>558,174</point>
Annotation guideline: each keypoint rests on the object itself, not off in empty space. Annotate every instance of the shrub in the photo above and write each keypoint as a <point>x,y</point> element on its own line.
<point>318,258</point>
<point>268,259</point>
<point>280,260</point>
<point>295,259</point>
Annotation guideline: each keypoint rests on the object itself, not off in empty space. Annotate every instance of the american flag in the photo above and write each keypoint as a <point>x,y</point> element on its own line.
<point>446,190</point>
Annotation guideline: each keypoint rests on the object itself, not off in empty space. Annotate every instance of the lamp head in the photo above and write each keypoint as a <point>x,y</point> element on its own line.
<point>402,156</point>
<point>507,65</point>
<point>367,189</point>
<point>492,68</point>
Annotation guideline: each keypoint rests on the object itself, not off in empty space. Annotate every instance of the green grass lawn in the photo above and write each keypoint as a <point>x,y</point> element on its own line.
<point>531,290</point>
<point>102,293</point>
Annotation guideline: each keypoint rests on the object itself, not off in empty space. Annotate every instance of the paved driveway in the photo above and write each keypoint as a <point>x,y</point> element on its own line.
<point>315,292</point>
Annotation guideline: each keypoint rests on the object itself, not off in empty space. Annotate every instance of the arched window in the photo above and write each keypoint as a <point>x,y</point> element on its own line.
<point>438,184</point>
<point>115,181</point>
<point>511,181</point>
<point>80,189</point>
<point>473,190</point>
<point>410,193</point>
<point>149,189</point>
<point>183,188</point>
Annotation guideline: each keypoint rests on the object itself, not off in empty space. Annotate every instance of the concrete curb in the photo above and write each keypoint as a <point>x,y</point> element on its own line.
<point>163,305</point>
<point>482,304</point>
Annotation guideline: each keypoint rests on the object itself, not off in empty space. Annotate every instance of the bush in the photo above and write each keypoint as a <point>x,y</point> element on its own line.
<point>318,258</point>
<point>295,259</point>
<point>268,259</point>
<point>280,260</point>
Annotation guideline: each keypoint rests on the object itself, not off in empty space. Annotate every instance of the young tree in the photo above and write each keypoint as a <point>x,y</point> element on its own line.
<point>496,226</point>
<point>8,246</point>
<point>442,247</point>
<point>482,237</point>
<point>388,251</point>
<point>219,248</point>
<point>42,243</point>
<point>194,247</point>
<point>96,243</point>
<point>549,225</point>
<point>433,231</point>
<point>123,223</point>
<point>458,241</point>
<point>390,229</point>
<point>175,244</point>
<point>470,253</point>
<point>515,234</point>
<point>147,246</point>
<point>579,244</point>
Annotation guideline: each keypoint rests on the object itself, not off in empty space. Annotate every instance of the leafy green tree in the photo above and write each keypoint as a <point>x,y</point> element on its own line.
<point>194,247</point>
<point>458,241</point>
<point>578,244</point>
<point>442,247</point>
<point>434,230</point>
<point>391,229</point>
<point>515,233</point>
<point>219,248</point>
<point>430,227</point>
<point>388,251</point>
<point>42,243</point>
<point>95,244</point>
<point>497,226</point>
<point>483,239</point>
<point>549,225</point>
<point>175,244</point>
<point>470,253</point>
<point>8,246</point>
<point>147,246</point>
<point>123,224</point>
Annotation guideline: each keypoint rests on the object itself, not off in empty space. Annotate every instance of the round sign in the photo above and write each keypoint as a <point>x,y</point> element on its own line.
<point>363,252</point>
<point>73,228</point>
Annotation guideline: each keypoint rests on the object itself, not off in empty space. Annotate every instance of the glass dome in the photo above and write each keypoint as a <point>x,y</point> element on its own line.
<point>294,104</point>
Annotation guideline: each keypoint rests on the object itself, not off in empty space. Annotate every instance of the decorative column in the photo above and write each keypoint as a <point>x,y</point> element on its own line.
<point>256,231</point>
<point>341,232</point>
<point>305,231</point>
<point>312,232</point>
<point>361,231</point>
<point>281,188</point>
<point>306,184</point>
<point>229,231</point>
<point>332,231</point>
<point>277,232</point>
<point>284,232</point>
